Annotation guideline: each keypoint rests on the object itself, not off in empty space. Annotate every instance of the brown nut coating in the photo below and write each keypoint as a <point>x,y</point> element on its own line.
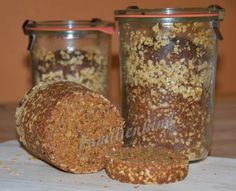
<point>67,125</point>
<point>140,165</point>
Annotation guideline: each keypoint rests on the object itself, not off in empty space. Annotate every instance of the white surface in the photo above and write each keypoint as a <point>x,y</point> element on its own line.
<point>19,171</point>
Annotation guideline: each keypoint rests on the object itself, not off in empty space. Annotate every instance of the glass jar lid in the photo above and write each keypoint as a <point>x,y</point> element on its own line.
<point>213,12</point>
<point>94,24</point>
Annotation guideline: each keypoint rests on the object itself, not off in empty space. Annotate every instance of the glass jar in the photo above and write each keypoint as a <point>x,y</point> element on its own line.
<point>77,51</point>
<point>168,62</point>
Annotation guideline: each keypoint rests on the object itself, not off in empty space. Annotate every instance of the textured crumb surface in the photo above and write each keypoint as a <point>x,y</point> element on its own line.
<point>68,126</point>
<point>140,165</point>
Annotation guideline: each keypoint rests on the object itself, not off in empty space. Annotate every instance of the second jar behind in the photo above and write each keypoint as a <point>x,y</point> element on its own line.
<point>70,50</point>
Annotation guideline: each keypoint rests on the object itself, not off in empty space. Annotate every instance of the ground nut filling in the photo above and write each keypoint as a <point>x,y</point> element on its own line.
<point>87,67</point>
<point>147,165</point>
<point>168,74</point>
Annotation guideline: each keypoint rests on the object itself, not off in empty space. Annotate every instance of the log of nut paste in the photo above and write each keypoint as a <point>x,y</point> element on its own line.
<point>68,126</point>
<point>140,165</point>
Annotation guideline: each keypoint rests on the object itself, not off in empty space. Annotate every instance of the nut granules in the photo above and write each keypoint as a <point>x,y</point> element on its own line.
<point>62,122</point>
<point>140,165</point>
<point>87,67</point>
<point>167,74</point>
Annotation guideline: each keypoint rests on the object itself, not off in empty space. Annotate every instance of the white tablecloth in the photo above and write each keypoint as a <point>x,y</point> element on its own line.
<point>19,171</point>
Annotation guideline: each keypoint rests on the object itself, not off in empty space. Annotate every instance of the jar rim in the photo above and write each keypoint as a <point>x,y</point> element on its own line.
<point>94,24</point>
<point>213,12</point>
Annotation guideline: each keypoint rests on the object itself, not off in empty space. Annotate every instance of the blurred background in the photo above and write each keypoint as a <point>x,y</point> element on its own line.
<point>15,76</point>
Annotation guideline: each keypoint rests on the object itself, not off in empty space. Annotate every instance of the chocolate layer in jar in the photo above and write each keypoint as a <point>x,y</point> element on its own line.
<point>86,67</point>
<point>168,76</point>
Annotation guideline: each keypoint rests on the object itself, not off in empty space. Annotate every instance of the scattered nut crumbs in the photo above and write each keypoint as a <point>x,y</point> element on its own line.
<point>9,170</point>
<point>32,158</point>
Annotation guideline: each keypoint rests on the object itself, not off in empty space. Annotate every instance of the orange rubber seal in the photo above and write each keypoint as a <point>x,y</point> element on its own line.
<point>169,15</point>
<point>107,30</point>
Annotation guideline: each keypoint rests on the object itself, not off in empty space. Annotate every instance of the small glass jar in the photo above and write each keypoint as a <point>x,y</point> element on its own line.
<point>78,51</point>
<point>168,61</point>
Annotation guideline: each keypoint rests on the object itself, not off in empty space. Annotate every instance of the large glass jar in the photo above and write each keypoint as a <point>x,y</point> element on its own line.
<point>78,51</point>
<point>168,61</point>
